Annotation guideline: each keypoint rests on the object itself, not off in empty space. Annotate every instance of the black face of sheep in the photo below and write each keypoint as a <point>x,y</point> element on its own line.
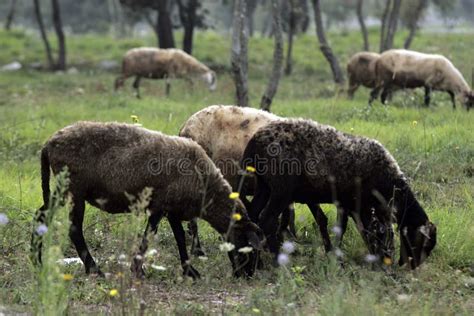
<point>469,100</point>
<point>247,240</point>
<point>416,244</point>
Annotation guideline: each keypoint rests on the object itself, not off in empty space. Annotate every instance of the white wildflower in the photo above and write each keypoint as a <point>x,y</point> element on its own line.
<point>3,219</point>
<point>151,253</point>
<point>403,298</point>
<point>203,258</point>
<point>158,268</point>
<point>370,258</point>
<point>338,252</point>
<point>288,247</point>
<point>245,249</point>
<point>283,259</point>
<point>226,247</point>
<point>42,229</point>
<point>337,230</point>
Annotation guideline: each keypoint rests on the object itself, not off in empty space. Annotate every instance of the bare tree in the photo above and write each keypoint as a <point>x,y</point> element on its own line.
<point>412,23</point>
<point>392,24</point>
<point>291,32</point>
<point>187,14</point>
<point>44,37</point>
<point>58,27</point>
<point>363,28</point>
<point>272,86</point>
<point>239,58</point>
<point>164,25</point>
<point>384,19</point>
<point>10,15</point>
<point>338,75</point>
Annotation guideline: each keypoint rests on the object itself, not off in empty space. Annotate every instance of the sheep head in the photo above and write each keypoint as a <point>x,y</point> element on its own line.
<point>247,238</point>
<point>416,244</point>
<point>468,100</point>
<point>211,79</point>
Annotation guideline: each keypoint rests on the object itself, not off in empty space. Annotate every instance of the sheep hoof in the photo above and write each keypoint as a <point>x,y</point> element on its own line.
<point>137,269</point>
<point>198,252</point>
<point>95,271</point>
<point>189,271</point>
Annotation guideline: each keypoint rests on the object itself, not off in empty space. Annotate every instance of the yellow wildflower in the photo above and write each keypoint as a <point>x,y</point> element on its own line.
<point>256,310</point>
<point>250,169</point>
<point>134,118</point>
<point>414,123</point>
<point>234,195</point>
<point>236,217</point>
<point>113,292</point>
<point>352,129</point>
<point>387,261</point>
<point>68,277</point>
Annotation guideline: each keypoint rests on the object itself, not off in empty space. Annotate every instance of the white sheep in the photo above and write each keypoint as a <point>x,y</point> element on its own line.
<point>361,71</point>
<point>400,69</point>
<point>157,63</point>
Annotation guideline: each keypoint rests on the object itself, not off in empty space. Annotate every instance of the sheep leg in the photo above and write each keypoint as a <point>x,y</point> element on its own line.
<point>260,199</point>
<point>268,221</point>
<point>168,86</point>
<point>386,93</point>
<point>196,248</point>
<point>288,221</point>
<point>180,237</point>
<point>374,94</point>
<point>322,222</point>
<point>453,99</point>
<point>151,226</point>
<point>36,239</point>
<point>352,89</point>
<point>77,237</point>
<point>342,219</point>
<point>136,86</point>
<point>427,96</point>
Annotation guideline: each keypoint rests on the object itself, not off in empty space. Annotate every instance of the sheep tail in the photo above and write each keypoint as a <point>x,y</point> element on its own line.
<point>45,177</point>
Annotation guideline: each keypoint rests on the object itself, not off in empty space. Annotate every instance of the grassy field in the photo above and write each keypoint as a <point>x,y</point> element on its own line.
<point>434,147</point>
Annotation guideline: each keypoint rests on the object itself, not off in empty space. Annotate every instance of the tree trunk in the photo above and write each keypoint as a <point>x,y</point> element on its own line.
<point>383,26</point>
<point>44,37</point>
<point>11,14</point>
<point>58,27</point>
<point>291,32</point>
<point>392,24</point>
<point>251,7</point>
<point>239,57</point>
<point>187,16</point>
<point>338,75</point>
<point>272,86</point>
<point>413,26</point>
<point>363,29</point>
<point>164,26</point>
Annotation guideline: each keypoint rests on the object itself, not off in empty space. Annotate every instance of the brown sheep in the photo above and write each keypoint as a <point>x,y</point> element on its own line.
<point>401,69</point>
<point>157,63</point>
<point>361,71</point>
<point>109,161</point>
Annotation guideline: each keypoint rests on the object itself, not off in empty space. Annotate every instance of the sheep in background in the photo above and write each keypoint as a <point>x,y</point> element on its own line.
<point>223,131</point>
<point>316,164</point>
<point>400,69</point>
<point>361,71</point>
<point>157,63</point>
<point>108,161</point>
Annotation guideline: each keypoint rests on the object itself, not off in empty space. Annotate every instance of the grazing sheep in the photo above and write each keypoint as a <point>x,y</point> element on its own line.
<point>223,131</point>
<point>109,161</point>
<point>303,161</point>
<point>157,63</point>
<point>361,71</point>
<point>400,69</point>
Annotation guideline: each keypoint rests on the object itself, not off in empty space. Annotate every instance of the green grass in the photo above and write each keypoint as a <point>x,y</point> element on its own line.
<point>436,152</point>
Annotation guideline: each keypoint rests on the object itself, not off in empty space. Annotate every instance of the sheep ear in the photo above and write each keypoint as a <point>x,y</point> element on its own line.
<point>254,240</point>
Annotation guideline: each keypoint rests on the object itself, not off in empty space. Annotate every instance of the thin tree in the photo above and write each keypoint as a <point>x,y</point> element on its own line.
<point>187,14</point>
<point>272,86</point>
<point>392,24</point>
<point>383,27</point>
<point>291,32</point>
<point>58,27</point>
<point>338,75</point>
<point>164,25</point>
<point>10,15</point>
<point>44,37</point>
<point>413,22</point>
<point>239,58</point>
<point>363,28</point>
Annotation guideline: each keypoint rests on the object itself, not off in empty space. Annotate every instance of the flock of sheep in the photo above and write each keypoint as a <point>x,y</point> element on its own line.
<point>222,150</point>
